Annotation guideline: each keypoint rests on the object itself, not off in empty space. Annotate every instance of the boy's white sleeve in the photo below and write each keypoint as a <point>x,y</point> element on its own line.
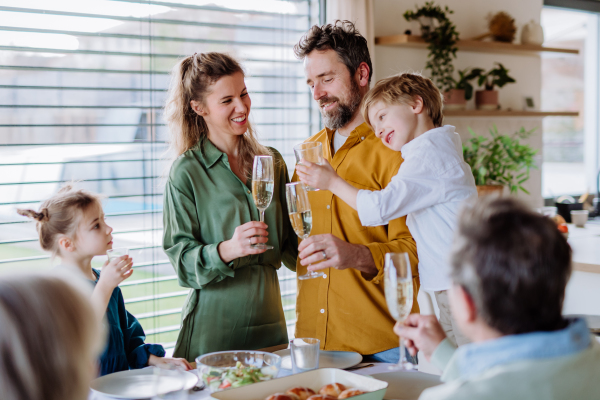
<point>403,195</point>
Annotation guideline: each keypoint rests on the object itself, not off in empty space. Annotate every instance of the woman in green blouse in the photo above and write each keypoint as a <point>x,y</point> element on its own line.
<point>210,220</point>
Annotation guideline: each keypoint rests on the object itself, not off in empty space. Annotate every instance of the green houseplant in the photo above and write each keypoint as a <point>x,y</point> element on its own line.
<point>500,160</point>
<point>462,90</point>
<point>441,35</point>
<point>496,77</point>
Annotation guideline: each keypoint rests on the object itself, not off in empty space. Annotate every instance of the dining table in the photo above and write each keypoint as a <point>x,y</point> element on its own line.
<point>402,385</point>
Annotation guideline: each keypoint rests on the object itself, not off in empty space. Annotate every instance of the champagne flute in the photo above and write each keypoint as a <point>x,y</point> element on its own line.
<point>300,216</point>
<point>262,189</point>
<point>309,151</point>
<point>399,295</point>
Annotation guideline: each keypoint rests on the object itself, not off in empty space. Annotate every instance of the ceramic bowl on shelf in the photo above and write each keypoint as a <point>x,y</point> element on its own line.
<point>232,369</point>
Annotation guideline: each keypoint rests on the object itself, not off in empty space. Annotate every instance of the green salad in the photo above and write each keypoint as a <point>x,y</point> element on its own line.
<point>240,375</point>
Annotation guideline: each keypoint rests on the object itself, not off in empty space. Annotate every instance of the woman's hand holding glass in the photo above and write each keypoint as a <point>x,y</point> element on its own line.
<point>243,240</point>
<point>321,176</point>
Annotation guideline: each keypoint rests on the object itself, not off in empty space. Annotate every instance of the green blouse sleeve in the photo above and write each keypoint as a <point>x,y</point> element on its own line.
<point>197,264</point>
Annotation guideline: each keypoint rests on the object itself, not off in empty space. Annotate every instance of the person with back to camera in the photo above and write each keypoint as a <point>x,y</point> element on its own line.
<point>431,186</point>
<point>71,226</point>
<point>50,338</point>
<point>345,308</point>
<point>510,267</point>
<point>210,219</point>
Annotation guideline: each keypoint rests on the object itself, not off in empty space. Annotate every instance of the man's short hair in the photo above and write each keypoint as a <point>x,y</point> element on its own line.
<point>514,263</point>
<point>341,37</point>
<point>403,89</point>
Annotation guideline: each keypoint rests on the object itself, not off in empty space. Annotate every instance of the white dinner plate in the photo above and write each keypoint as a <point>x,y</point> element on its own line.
<point>143,383</point>
<point>327,359</point>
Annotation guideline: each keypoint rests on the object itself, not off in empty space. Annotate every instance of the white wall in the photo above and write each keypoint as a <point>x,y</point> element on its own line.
<point>470,18</point>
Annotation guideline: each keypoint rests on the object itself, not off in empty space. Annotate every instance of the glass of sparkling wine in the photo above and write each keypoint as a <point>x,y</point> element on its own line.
<point>262,189</point>
<point>300,216</point>
<point>309,151</point>
<point>399,295</point>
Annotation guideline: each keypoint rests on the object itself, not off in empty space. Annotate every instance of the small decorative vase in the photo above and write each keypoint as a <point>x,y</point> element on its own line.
<point>486,99</point>
<point>486,190</point>
<point>454,99</point>
<point>532,33</point>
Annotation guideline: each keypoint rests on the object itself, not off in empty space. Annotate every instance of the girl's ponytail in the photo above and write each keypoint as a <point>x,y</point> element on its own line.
<point>41,216</point>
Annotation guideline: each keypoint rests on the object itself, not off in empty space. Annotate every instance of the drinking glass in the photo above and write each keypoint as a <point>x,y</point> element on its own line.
<point>169,383</point>
<point>262,189</point>
<point>309,151</point>
<point>305,354</point>
<point>399,295</point>
<point>116,253</point>
<point>300,216</point>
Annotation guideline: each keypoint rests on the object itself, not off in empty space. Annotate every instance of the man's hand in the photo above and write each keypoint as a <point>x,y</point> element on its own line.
<point>329,251</point>
<point>318,176</point>
<point>420,332</point>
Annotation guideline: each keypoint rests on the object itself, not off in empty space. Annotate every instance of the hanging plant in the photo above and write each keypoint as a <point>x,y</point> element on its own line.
<point>441,35</point>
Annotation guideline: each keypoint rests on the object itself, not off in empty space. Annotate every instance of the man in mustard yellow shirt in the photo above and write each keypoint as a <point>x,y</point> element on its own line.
<point>346,307</point>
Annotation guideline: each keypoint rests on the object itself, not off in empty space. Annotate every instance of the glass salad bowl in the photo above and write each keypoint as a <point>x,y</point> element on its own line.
<point>232,369</point>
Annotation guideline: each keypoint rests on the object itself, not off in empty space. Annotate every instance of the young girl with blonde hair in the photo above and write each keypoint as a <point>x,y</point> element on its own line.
<point>209,213</point>
<point>71,226</point>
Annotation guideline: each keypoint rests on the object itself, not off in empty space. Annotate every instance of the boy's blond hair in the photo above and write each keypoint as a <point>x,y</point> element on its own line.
<point>402,89</point>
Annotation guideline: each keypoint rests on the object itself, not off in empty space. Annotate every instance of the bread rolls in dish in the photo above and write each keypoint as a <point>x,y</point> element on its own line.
<point>322,397</point>
<point>350,393</point>
<point>303,393</point>
<point>333,389</point>
<point>282,396</point>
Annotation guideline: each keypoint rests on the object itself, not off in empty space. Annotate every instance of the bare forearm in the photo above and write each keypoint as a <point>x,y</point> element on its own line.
<point>364,262</point>
<point>100,299</point>
<point>345,191</point>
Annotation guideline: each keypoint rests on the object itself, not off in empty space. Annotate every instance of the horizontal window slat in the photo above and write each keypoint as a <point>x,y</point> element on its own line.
<point>128,54</point>
<point>156,297</point>
<point>123,71</point>
<point>149,280</point>
<point>127,213</point>
<point>154,143</point>
<point>82,180</point>
<point>161,313</point>
<point>84,70</point>
<point>164,329</point>
<point>147,19</point>
<point>82,162</point>
<point>127,196</point>
<point>115,89</point>
<point>122,125</point>
<point>213,8</point>
<point>130,107</point>
<point>153,38</point>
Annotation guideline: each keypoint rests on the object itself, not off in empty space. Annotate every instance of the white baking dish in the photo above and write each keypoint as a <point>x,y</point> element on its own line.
<point>313,379</point>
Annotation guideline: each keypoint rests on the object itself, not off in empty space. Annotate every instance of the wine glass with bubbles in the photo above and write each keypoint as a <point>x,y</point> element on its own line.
<point>399,295</point>
<point>262,189</point>
<point>300,216</point>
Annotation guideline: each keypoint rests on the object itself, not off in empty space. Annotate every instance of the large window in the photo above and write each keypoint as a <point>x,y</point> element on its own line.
<point>570,83</point>
<point>82,84</point>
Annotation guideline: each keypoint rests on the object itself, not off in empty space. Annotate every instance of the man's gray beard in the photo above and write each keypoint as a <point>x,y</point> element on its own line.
<point>345,112</point>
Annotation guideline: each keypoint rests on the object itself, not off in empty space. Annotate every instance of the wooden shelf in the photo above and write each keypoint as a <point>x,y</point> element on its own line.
<point>472,45</point>
<point>506,113</point>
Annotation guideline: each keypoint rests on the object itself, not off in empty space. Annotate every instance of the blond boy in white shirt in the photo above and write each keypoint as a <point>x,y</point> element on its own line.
<point>431,187</point>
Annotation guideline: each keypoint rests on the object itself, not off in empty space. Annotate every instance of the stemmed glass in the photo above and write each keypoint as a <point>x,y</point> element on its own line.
<point>309,151</point>
<point>300,216</point>
<point>262,189</point>
<point>399,295</point>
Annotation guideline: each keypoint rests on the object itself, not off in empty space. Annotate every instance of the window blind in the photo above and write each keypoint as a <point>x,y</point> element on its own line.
<point>82,85</point>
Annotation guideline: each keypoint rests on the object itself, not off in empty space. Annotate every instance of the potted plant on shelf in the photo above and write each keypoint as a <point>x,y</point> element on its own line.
<point>488,99</point>
<point>456,98</point>
<point>441,35</point>
<point>499,161</point>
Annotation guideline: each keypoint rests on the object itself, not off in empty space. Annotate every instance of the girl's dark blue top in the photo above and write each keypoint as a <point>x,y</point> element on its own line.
<point>125,348</point>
